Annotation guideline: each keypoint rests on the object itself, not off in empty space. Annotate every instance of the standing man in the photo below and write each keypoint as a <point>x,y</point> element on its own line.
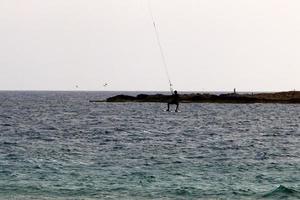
<point>174,100</point>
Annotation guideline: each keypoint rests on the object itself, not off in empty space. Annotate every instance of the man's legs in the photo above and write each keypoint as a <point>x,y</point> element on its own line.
<point>168,107</point>
<point>177,106</point>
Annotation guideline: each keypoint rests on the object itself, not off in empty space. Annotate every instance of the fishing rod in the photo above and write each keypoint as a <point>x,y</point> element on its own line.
<point>163,57</point>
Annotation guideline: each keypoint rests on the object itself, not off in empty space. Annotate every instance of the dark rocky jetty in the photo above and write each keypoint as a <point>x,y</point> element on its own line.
<point>278,97</point>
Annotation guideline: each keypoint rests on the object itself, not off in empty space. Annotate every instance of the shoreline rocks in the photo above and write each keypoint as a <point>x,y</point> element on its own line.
<point>277,97</point>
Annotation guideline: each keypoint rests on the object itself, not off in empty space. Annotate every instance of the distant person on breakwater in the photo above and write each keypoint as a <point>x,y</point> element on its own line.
<point>174,100</point>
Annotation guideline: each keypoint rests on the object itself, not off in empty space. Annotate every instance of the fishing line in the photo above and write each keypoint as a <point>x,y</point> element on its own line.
<point>160,46</point>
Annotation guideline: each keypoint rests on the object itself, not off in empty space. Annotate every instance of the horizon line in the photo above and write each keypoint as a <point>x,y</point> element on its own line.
<point>202,91</point>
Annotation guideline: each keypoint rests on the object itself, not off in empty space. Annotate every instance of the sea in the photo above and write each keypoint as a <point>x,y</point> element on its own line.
<point>59,146</point>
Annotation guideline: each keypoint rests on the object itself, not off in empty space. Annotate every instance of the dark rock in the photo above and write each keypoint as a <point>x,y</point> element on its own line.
<point>121,98</point>
<point>279,97</point>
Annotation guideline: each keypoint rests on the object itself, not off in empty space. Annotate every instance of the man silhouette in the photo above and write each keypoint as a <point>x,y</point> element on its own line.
<point>174,100</point>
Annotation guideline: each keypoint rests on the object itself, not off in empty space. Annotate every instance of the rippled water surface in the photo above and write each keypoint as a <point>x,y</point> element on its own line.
<point>57,145</point>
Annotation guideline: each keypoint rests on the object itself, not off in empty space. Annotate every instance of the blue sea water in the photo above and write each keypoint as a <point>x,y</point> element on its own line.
<point>57,145</point>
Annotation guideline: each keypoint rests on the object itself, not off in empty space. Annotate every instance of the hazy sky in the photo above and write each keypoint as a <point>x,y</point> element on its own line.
<point>212,45</point>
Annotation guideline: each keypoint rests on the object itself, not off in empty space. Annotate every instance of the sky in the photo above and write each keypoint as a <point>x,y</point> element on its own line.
<point>209,45</point>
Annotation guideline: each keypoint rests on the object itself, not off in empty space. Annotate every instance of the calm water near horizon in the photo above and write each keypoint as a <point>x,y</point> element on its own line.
<point>57,145</point>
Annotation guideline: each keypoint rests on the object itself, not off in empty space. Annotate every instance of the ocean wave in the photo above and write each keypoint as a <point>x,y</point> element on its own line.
<point>282,192</point>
